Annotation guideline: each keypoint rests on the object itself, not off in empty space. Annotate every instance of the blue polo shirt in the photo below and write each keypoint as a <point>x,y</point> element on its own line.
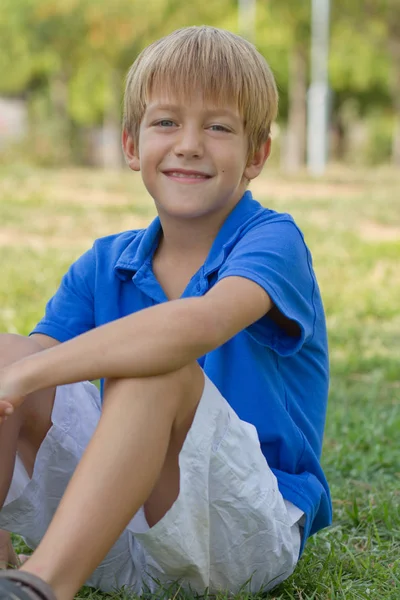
<point>274,378</point>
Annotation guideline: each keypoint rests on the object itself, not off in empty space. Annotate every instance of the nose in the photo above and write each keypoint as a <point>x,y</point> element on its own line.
<point>189,143</point>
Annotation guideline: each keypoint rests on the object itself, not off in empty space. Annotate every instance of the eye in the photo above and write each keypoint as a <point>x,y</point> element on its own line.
<point>219,128</point>
<point>165,123</point>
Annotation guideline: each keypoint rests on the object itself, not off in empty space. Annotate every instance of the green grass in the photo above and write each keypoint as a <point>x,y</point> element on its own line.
<point>351,222</point>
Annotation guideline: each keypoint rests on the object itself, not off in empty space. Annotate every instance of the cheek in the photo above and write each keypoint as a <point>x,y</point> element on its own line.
<point>148,158</point>
<point>233,157</point>
<point>234,166</point>
<point>154,148</point>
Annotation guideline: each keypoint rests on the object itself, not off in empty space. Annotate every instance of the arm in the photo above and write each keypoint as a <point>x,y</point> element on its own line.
<point>44,340</point>
<point>156,340</point>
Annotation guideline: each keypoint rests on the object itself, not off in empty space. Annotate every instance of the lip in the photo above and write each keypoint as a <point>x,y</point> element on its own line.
<point>186,174</point>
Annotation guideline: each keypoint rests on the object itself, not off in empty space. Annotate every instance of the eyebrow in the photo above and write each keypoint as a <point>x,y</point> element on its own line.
<point>209,112</point>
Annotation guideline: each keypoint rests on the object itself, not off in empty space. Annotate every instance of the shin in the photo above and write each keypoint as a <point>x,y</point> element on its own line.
<point>22,432</point>
<point>132,460</point>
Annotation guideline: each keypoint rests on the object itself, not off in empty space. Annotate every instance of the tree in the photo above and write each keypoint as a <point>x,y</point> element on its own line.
<point>285,42</point>
<point>69,59</point>
<point>392,20</point>
<point>366,56</point>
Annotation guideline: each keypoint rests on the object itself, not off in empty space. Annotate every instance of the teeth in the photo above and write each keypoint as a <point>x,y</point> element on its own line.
<point>187,175</point>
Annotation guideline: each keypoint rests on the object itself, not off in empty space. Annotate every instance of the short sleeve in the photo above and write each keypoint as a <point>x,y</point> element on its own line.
<point>70,312</point>
<point>274,255</point>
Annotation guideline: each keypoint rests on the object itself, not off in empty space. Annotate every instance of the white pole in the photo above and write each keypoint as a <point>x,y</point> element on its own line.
<point>247,19</point>
<point>318,95</point>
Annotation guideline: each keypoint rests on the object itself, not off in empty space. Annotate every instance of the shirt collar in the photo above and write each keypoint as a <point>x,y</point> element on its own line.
<point>142,248</point>
<point>139,250</point>
<point>232,228</point>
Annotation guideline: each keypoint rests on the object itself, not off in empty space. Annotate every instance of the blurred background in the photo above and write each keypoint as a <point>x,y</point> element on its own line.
<point>334,167</point>
<point>63,63</point>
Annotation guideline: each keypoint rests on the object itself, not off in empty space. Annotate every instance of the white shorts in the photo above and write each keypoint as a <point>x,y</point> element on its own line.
<point>229,527</point>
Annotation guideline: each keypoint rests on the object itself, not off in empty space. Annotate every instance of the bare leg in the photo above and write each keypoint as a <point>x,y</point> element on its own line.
<point>8,558</point>
<point>131,460</point>
<point>24,431</point>
<point>8,447</point>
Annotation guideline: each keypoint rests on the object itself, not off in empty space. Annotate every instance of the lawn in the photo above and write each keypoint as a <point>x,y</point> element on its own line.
<point>351,221</point>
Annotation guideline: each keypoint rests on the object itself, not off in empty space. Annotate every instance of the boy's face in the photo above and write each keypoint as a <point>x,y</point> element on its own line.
<point>193,157</point>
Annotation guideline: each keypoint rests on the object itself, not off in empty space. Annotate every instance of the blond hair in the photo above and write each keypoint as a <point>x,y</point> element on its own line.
<point>225,67</point>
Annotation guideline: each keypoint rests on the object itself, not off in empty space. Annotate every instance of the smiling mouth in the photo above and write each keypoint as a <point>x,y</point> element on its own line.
<point>187,175</point>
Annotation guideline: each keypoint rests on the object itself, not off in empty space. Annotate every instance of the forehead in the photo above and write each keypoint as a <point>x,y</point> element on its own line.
<point>194,101</point>
<point>203,108</point>
<point>205,95</point>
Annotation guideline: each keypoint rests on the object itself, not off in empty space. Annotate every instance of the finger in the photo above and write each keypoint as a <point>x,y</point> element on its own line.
<point>6,408</point>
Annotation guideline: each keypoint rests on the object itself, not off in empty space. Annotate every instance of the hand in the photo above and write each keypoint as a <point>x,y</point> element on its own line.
<point>11,393</point>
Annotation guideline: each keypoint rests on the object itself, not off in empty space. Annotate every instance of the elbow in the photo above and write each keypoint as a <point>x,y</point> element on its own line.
<point>212,332</point>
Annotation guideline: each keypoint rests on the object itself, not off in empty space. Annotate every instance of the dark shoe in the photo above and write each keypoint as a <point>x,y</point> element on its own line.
<point>20,585</point>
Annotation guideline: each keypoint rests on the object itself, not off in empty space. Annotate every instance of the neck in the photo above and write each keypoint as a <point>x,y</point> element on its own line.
<point>184,239</point>
<point>189,238</point>
<point>192,238</point>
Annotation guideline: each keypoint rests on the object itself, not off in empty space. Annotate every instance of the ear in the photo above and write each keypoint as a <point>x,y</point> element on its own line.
<point>130,151</point>
<point>257,162</point>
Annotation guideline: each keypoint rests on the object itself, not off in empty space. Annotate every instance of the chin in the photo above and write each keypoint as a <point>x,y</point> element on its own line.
<point>183,210</point>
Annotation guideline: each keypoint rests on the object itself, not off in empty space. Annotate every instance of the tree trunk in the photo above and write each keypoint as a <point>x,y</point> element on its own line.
<point>396,142</point>
<point>338,144</point>
<point>111,138</point>
<point>295,142</point>
<point>62,150</point>
<point>394,50</point>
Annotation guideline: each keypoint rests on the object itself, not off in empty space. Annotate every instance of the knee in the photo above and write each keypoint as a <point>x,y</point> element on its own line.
<point>186,376</point>
<point>178,386</point>
<point>13,347</point>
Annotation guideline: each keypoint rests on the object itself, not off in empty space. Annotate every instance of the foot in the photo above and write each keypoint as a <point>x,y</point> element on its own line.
<point>19,585</point>
<point>8,558</point>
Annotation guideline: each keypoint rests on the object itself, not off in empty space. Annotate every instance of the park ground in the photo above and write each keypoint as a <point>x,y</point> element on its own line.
<point>351,221</point>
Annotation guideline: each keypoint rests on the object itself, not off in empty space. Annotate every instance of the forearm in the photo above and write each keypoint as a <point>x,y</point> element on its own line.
<point>153,341</point>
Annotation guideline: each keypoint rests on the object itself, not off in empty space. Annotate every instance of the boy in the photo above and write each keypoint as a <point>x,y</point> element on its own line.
<point>200,462</point>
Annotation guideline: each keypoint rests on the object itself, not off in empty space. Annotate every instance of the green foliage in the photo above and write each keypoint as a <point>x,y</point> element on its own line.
<point>17,63</point>
<point>358,59</point>
<point>82,41</point>
<point>381,132</point>
<point>74,53</point>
